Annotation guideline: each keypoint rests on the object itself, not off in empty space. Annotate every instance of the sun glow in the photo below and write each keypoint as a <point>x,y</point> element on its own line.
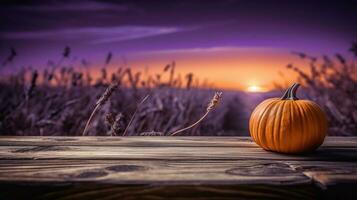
<point>255,88</point>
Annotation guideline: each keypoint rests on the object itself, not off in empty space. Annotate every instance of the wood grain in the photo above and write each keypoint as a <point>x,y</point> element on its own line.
<point>172,167</point>
<point>147,141</point>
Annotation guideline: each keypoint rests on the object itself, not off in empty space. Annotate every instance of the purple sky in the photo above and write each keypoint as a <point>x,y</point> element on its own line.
<point>39,30</point>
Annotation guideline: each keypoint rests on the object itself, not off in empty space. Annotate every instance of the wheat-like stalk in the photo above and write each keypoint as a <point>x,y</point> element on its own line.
<point>114,122</point>
<point>101,101</point>
<point>33,84</point>
<point>212,104</point>
<point>133,116</point>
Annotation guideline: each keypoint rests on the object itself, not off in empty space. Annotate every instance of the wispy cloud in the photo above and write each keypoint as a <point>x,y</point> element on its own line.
<point>135,32</point>
<point>215,49</point>
<point>94,35</point>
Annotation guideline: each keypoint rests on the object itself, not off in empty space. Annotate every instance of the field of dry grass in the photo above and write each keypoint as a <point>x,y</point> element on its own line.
<point>60,99</point>
<point>332,83</point>
<point>59,102</point>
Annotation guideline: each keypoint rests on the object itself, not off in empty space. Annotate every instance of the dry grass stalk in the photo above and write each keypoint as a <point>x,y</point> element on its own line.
<point>10,58</point>
<point>108,58</point>
<point>114,122</point>
<point>133,116</point>
<point>116,127</point>
<point>213,103</point>
<point>189,78</point>
<point>109,118</point>
<point>102,100</point>
<point>32,85</point>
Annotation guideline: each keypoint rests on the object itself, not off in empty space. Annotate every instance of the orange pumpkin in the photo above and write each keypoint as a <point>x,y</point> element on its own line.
<point>287,124</point>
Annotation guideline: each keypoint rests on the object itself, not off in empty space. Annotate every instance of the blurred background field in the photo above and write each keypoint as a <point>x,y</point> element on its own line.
<point>59,57</point>
<point>59,100</point>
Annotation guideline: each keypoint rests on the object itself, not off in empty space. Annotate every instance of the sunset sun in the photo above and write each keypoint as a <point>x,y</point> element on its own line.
<point>255,88</point>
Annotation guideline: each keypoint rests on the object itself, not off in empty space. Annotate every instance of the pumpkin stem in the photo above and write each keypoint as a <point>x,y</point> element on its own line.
<point>290,93</point>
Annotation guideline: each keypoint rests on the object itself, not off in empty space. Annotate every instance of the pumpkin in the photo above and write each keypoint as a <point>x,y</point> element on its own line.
<point>288,124</point>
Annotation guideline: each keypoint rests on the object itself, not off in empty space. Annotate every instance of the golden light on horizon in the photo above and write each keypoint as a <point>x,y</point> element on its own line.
<point>255,88</point>
<point>245,69</point>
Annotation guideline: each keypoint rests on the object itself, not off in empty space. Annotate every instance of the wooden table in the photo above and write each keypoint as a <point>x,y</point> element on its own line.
<point>172,168</point>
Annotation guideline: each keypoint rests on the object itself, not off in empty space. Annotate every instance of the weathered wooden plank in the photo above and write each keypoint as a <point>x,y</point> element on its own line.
<point>166,141</point>
<point>132,141</point>
<point>128,179</point>
<point>169,153</point>
<point>228,178</point>
<point>152,172</point>
<point>327,173</point>
<point>179,171</point>
<point>157,167</point>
